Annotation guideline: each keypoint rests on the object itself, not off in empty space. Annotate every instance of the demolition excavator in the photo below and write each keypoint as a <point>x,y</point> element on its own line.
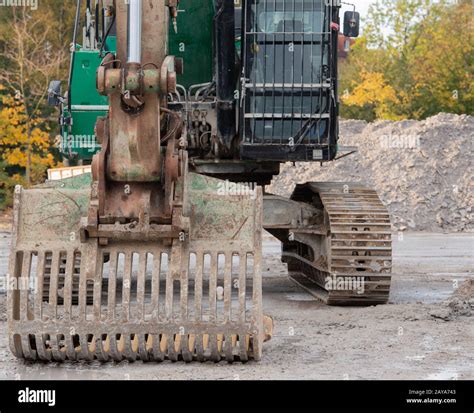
<point>157,254</point>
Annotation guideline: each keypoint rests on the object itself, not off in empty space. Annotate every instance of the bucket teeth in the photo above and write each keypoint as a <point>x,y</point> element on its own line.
<point>199,299</point>
<point>134,307</point>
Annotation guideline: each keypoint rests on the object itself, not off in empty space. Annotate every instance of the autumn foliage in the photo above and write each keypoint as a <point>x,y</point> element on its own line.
<point>414,60</point>
<point>34,49</point>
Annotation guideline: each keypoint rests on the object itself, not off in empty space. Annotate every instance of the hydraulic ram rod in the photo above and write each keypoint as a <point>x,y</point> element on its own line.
<point>134,51</point>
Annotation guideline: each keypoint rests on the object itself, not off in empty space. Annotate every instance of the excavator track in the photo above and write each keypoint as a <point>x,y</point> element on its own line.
<point>355,266</point>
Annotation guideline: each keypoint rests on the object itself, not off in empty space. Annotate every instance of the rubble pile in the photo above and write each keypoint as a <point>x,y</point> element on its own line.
<point>422,170</point>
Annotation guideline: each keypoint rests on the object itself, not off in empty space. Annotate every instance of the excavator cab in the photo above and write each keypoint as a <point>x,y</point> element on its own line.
<point>290,88</point>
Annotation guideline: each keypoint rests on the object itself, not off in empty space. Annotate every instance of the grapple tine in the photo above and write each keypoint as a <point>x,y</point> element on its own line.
<point>155,288</point>
<point>112,286</point>
<point>114,351</point>
<point>25,274</point>
<point>68,279</point>
<point>43,354</point>
<point>39,289</point>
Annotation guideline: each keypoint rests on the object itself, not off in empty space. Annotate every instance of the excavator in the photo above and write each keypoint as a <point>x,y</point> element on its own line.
<point>157,253</point>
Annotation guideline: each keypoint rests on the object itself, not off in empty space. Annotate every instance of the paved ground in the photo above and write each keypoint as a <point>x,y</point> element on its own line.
<point>425,332</point>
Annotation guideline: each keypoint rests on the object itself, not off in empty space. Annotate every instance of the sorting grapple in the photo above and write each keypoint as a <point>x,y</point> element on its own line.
<point>195,299</point>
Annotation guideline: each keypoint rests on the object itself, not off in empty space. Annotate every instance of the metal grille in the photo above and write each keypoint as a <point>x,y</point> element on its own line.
<point>287,88</point>
<point>195,299</point>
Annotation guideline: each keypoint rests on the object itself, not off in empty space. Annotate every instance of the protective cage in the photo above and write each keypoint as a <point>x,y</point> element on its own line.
<point>289,80</point>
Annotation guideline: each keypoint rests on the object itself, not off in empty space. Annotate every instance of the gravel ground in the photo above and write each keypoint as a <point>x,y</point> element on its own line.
<point>425,332</point>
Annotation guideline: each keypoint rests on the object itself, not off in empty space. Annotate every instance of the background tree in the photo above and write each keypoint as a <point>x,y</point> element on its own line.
<point>34,49</point>
<point>421,51</point>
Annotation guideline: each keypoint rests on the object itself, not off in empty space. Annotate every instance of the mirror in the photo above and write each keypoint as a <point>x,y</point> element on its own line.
<point>54,93</point>
<point>351,24</point>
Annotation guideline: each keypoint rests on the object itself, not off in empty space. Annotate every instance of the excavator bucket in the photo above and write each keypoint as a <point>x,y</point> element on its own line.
<point>196,297</point>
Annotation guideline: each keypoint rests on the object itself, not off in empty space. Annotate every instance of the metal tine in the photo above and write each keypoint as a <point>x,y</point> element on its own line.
<point>158,355</point>
<point>142,350</point>
<point>213,305</point>
<point>39,286</point>
<point>155,287</point>
<point>82,293</point>
<point>127,282</point>
<point>215,355</point>
<point>28,352</point>
<point>213,288</point>
<point>198,286</point>
<point>173,260</point>
<point>112,285</point>
<point>70,263</point>
<point>141,277</point>
<point>70,349</point>
<point>192,345</point>
<point>242,346</point>
<point>242,286</point>
<point>114,348</point>
<point>25,275</point>
<point>228,349</point>
<point>97,294</point>
<point>102,352</point>
<point>200,347</point>
<point>58,355</point>
<point>228,287</point>
<point>53,285</point>
<point>184,338</point>
<point>43,354</point>
<point>184,285</point>
<point>125,347</point>
<point>173,355</point>
<point>85,351</point>
<point>130,347</point>
<point>174,268</point>
<point>198,302</point>
<point>185,352</point>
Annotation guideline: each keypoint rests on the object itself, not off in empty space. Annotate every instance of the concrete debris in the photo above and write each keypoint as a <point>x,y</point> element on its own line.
<point>422,170</point>
<point>460,304</point>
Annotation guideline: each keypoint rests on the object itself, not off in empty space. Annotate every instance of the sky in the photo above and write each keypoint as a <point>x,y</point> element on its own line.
<point>362,6</point>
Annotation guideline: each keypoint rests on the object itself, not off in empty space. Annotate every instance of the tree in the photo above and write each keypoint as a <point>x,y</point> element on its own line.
<point>420,50</point>
<point>24,144</point>
<point>374,95</point>
<point>34,50</point>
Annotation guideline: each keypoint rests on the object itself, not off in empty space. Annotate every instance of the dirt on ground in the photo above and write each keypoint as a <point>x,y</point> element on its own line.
<point>422,170</point>
<point>425,332</point>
